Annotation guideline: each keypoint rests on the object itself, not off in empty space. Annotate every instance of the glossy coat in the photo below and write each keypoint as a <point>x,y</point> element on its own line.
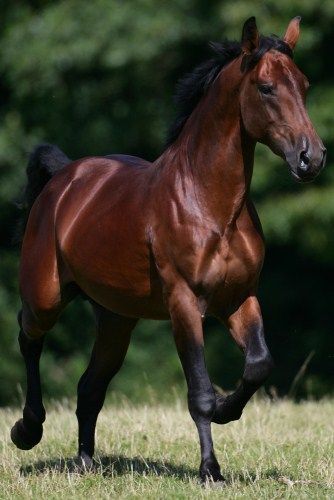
<point>178,238</point>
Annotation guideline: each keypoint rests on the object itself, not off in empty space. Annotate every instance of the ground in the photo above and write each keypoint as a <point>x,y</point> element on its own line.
<point>277,450</point>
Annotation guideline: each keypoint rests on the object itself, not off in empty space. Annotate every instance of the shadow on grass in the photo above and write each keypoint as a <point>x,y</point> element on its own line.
<point>111,466</point>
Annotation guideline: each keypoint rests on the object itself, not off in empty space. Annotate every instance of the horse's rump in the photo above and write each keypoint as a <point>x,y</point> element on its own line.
<point>90,224</point>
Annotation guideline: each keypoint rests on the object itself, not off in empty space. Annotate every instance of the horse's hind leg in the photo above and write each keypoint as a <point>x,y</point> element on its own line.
<point>246,328</point>
<point>111,345</point>
<point>28,431</point>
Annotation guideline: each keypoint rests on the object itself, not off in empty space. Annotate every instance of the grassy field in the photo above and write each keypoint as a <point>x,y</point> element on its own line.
<point>277,450</point>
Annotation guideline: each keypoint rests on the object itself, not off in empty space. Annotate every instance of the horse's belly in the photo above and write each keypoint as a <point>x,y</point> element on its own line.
<point>148,307</point>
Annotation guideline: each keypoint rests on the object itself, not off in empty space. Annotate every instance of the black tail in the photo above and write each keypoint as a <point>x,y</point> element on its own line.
<point>44,162</point>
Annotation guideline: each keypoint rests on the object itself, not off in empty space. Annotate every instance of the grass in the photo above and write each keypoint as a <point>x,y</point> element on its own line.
<point>277,450</point>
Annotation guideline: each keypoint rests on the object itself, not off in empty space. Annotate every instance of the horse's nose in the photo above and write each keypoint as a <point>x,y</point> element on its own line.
<point>311,161</point>
<point>304,161</point>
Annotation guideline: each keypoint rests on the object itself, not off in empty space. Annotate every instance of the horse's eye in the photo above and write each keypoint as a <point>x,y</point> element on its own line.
<point>266,89</point>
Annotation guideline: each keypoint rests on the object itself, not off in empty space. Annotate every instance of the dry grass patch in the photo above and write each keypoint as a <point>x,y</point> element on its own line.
<point>277,450</point>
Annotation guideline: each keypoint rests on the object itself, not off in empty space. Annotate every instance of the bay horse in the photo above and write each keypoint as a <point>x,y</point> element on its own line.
<point>178,238</point>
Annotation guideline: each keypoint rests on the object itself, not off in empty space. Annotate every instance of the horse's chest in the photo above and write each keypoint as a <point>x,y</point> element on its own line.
<point>235,262</point>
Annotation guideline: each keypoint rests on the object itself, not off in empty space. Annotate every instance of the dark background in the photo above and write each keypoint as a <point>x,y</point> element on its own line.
<point>98,78</point>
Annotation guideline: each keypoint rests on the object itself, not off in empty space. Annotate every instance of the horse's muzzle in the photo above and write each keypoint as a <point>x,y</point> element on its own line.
<point>307,163</point>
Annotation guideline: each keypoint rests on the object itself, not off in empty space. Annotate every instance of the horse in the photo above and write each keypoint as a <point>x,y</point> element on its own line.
<point>175,239</point>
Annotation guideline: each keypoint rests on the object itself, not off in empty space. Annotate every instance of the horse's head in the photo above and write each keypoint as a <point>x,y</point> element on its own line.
<point>273,94</point>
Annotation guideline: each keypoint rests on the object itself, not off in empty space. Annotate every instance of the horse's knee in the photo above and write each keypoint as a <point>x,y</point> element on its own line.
<point>257,370</point>
<point>202,404</point>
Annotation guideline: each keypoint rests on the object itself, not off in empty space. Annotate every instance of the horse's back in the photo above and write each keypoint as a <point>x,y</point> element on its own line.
<point>129,160</point>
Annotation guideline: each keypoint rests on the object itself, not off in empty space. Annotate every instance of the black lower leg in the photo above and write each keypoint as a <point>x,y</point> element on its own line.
<point>229,408</point>
<point>28,431</point>
<point>113,337</point>
<point>90,401</point>
<point>209,467</point>
<point>202,404</point>
<point>246,327</point>
<point>257,369</point>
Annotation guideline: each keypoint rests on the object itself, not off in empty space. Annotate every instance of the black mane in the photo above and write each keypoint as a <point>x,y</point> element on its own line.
<point>191,88</point>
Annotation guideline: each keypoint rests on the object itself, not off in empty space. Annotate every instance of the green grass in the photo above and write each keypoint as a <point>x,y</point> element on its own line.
<point>277,450</point>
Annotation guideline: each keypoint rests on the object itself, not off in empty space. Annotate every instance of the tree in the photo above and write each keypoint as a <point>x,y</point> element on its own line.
<point>97,78</point>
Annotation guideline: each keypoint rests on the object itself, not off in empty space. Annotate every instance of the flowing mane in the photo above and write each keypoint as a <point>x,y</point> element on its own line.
<point>193,86</point>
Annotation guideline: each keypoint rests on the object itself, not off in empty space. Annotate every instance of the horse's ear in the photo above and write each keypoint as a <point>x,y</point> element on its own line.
<point>292,33</point>
<point>250,36</point>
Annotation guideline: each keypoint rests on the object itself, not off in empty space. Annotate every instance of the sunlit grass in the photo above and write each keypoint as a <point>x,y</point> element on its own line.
<point>277,450</point>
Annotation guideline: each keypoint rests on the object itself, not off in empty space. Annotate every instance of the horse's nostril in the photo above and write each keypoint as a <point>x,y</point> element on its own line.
<point>304,160</point>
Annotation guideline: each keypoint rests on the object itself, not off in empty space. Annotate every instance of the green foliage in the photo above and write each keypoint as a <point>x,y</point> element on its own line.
<point>98,77</point>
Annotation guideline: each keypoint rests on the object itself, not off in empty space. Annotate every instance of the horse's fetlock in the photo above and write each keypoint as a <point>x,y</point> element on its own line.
<point>34,418</point>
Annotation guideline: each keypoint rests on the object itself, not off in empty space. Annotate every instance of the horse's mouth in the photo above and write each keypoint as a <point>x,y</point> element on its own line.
<point>305,177</point>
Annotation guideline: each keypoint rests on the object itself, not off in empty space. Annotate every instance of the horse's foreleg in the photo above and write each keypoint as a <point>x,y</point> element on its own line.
<point>111,345</point>
<point>28,431</point>
<point>246,328</point>
<point>188,333</point>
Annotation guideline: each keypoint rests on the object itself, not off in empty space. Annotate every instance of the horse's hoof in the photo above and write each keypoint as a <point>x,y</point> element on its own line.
<point>85,462</point>
<point>214,485</point>
<point>226,410</point>
<point>210,473</point>
<point>23,438</point>
<point>215,477</point>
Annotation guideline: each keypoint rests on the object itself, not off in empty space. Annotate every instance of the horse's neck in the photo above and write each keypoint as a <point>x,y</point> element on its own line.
<point>213,158</point>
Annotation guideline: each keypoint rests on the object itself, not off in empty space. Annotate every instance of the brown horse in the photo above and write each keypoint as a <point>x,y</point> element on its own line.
<point>178,238</point>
